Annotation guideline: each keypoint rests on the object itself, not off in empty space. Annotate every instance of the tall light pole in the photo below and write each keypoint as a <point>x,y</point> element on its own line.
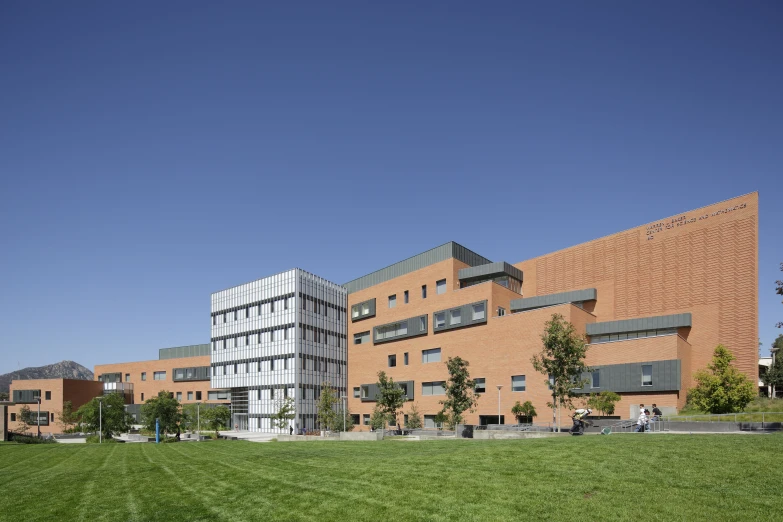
<point>38,399</point>
<point>198,421</point>
<point>499,387</point>
<point>100,420</point>
<point>343,398</point>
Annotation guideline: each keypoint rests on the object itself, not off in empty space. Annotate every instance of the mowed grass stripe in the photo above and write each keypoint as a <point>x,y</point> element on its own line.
<point>646,477</point>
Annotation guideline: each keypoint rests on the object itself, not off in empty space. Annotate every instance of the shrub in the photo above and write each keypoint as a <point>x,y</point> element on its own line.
<point>24,439</point>
<point>94,439</point>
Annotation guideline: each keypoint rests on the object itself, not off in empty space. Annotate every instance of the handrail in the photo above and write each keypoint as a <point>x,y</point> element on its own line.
<point>757,416</point>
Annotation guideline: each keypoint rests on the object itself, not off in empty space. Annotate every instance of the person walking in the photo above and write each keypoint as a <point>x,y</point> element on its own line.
<point>657,414</point>
<point>641,422</point>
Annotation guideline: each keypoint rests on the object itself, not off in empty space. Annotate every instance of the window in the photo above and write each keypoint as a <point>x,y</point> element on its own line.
<point>405,297</point>
<point>143,376</point>
<point>355,311</point>
<point>433,388</point>
<point>198,395</point>
<point>13,417</point>
<point>517,383</point>
<point>405,358</point>
<point>159,376</point>
<point>366,419</point>
<point>392,301</point>
<point>501,311</point>
<point>478,311</point>
<point>440,286</point>
<point>390,331</point>
<point>190,396</point>
<point>424,291</point>
<point>365,392</point>
<point>214,320</point>
<point>455,316</point>
<point>179,396</point>
<point>430,356</point>
<point>48,395</point>
<point>440,320</point>
<point>218,395</point>
<point>481,385</point>
<point>356,392</point>
<point>596,383</point>
<point>142,397</point>
<point>52,417</point>
<point>429,421</point>
<point>647,375</point>
<point>127,377</point>
<point>392,361</point>
<point>365,308</point>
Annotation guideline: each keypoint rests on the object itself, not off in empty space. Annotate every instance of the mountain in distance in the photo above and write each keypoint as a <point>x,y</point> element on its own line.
<point>60,370</point>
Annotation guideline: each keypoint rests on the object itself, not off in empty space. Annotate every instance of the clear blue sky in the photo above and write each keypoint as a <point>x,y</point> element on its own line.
<point>154,152</point>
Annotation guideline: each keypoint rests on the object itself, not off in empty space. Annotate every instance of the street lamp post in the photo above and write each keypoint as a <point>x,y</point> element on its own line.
<point>100,420</point>
<point>198,421</point>
<point>38,400</point>
<point>343,398</point>
<point>499,387</point>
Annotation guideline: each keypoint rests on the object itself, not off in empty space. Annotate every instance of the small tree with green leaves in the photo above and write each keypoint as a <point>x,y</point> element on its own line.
<point>414,418</point>
<point>164,408</point>
<point>216,418</point>
<point>721,388</point>
<point>285,413</point>
<point>189,417</point>
<point>3,396</point>
<point>441,418</point>
<point>328,417</point>
<point>24,419</point>
<point>562,361</point>
<point>524,412</point>
<point>460,391</point>
<point>107,412</point>
<point>603,402</point>
<point>67,417</point>
<point>378,419</point>
<point>390,398</point>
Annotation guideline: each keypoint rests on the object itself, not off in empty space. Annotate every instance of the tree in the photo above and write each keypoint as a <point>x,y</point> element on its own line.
<point>190,416</point>
<point>414,418</point>
<point>24,419</point>
<point>67,418</point>
<point>603,402</point>
<point>328,417</point>
<point>460,391</point>
<point>378,419</point>
<point>440,419</point>
<point>562,361</point>
<point>114,417</point>
<point>390,398</point>
<point>3,396</point>
<point>524,412</point>
<point>216,418</point>
<point>286,412</point>
<point>163,407</point>
<point>721,388</point>
<point>774,374</point>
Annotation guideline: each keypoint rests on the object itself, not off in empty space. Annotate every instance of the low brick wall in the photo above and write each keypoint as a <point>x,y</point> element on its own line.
<point>505,435</point>
<point>304,438</point>
<point>361,435</point>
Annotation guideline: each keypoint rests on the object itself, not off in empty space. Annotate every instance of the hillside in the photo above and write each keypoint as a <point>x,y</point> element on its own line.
<point>60,370</point>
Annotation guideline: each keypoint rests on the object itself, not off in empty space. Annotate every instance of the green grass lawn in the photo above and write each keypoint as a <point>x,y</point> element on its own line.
<point>619,477</point>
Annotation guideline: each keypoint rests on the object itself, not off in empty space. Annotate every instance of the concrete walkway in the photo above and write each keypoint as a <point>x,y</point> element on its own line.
<point>251,436</point>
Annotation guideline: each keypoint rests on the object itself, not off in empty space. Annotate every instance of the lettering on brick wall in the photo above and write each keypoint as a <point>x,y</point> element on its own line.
<point>683,220</point>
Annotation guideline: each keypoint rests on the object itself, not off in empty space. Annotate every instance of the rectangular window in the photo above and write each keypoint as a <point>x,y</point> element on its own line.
<point>596,381</point>
<point>424,291</point>
<point>179,396</point>
<point>433,388</point>
<point>392,360</point>
<point>356,392</point>
<point>647,375</point>
<point>517,383</point>
<point>159,376</point>
<point>423,324</point>
<point>198,395</point>
<point>366,419</point>
<point>365,390</point>
<point>440,320</point>
<point>13,417</point>
<point>440,286</point>
<point>430,356</point>
<point>127,377</point>
<point>392,301</point>
<point>478,311</point>
<point>406,296</point>
<point>501,311</point>
<point>214,320</point>
<point>48,395</point>
<point>52,417</point>
<point>190,396</point>
<point>481,385</point>
<point>405,358</point>
<point>355,311</point>
<point>142,397</point>
<point>455,316</point>
<point>365,308</point>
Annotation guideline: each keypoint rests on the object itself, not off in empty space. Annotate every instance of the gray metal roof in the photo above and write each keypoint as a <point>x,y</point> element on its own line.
<point>490,270</point>
<point>430,257</point>
<point>636,325</point>
<point>184,351</point>
<point>574,296</point>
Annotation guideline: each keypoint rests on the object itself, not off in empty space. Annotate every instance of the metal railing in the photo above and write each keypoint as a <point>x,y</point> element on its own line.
<point>763,417</point>
<point>536,427</point>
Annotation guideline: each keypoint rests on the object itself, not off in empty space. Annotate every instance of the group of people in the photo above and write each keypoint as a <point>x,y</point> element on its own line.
<point>643,424</point>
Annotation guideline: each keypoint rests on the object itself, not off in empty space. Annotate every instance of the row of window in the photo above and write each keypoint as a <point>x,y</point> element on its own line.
<point>631,335</point>
<point>392,330</point>
<point>313,304</point>
<point>647,377</point>
<point>156,376</point>
<point>309,333</point>
<point>478,312</point>
<point>317,365</point>
<point>427,356</point>
<point>518,384</point>
<point>440,288</point>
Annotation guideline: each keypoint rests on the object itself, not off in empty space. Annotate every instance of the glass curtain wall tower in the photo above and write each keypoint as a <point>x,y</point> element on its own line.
<point>275,339</point>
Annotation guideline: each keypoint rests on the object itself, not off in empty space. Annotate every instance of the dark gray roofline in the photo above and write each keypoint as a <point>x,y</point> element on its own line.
<point>490,270</point>
<point>574,296</point>
<point>430,257</point>
<point>176,352</point>
<point>636,325</point>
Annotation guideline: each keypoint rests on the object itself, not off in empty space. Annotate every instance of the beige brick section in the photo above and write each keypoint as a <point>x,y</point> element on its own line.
<point>77,391</point>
